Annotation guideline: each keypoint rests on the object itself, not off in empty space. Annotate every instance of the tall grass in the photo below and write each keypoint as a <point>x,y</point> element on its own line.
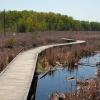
<point>5,59</point>
<point>30,40</point>
<point>64,55</point>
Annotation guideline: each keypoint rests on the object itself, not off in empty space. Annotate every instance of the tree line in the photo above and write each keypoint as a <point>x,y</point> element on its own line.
<point>30,21</point>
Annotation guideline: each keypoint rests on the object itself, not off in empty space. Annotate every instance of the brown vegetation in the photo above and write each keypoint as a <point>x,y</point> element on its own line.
<point>12,44</point>
<point>90,90</point>
<point>64,55</point>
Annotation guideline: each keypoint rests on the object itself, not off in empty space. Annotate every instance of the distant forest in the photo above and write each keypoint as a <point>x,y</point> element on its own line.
<point>30,21</point>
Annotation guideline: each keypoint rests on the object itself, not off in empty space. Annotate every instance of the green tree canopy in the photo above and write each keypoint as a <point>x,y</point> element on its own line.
<point>28,21</point>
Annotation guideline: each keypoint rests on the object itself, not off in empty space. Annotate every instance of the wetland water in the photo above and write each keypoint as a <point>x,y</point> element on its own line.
<point>57,80</point>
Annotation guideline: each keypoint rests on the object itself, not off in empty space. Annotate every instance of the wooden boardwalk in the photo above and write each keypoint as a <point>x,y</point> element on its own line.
<point>15,80</point>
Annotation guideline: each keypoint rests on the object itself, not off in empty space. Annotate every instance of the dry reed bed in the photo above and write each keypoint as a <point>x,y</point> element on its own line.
<point>23,41</point>
<point>63,55</point>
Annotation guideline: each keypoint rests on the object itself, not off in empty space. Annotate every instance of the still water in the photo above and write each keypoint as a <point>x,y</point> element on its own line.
<point>57,81</point>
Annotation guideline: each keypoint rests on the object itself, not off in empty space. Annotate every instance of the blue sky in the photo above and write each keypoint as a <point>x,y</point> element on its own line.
<point>79,9</point>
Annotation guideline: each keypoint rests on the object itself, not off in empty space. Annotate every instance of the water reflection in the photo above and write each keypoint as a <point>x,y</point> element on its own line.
<point>72,68</point>
<point>32,92</point>
<point>51,73</point>
<point>63,79</point>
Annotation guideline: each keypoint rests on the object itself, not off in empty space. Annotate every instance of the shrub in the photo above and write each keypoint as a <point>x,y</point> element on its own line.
<point>10,43</point>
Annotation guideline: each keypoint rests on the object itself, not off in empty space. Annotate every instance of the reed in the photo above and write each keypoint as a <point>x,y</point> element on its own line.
<point>89,90</point>
<point>5,59</point>
<point>30,40</point>
<point>68,56</point>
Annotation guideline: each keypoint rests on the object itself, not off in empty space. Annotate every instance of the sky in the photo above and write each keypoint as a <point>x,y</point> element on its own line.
<point>87,10</point>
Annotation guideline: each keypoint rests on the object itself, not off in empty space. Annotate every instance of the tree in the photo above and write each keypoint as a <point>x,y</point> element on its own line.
<point>21,25</point>
<point>28,21</point>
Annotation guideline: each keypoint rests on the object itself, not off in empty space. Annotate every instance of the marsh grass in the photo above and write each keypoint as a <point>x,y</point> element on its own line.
<point>89,90</point>
<point>24,41</point>
<point>5,59</point>
<point>10,43</point>
<point>68,56</point>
